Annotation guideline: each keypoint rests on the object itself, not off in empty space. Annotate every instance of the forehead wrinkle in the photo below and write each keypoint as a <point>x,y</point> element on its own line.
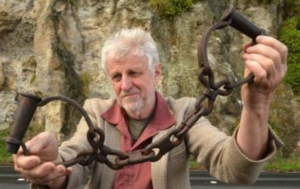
<point>130,63</point>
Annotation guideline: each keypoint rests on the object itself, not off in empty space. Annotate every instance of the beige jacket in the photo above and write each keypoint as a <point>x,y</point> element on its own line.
<point>212,148</point>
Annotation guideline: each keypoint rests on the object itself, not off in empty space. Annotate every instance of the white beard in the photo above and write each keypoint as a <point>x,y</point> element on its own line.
<point>133,106</point>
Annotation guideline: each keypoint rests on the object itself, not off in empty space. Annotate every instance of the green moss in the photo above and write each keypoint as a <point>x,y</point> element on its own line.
<point>33,77</point>
<point>277,164</point>
<point>194,165</point>
<point>269,1</point>
<point>55,16</point>
<point>33,130</point>
<point>85,79</point>
<point>29,62</point>
<point>290,35</point>
<point>298,98</point>
<point>291,8</point>
<point>170,8</point>
<point>293,77</point>
<point>5,158</point>
<point>281,164</point>
<point>75,3</point>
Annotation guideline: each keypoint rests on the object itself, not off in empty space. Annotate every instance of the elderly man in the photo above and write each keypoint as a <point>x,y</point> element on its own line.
<point>139,115</point>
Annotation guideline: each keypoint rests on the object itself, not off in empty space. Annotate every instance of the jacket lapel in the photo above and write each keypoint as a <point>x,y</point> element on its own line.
<point>112,140</point>
<point>159,168</point>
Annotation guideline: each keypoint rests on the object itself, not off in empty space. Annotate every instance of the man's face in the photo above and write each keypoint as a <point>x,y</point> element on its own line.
<point>134,84</point>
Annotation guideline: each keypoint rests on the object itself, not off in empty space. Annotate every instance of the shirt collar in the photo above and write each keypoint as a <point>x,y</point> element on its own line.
<point>162,117</point>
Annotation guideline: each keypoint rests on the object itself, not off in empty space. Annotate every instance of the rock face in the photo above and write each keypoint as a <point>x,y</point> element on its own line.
<point>53,47</point>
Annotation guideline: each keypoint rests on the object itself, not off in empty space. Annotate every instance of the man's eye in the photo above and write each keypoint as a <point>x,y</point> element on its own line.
<point>116,77</point>
<point>135,74</point>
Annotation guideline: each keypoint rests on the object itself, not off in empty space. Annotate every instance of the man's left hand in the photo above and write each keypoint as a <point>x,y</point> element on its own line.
<point>267,60</point>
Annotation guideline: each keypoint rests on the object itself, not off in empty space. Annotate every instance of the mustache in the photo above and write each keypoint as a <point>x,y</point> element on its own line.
<point>124,94</point>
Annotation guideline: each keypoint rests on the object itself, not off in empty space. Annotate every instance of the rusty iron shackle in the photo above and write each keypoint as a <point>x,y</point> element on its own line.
<point>232,18</point>
<point>27,105</point>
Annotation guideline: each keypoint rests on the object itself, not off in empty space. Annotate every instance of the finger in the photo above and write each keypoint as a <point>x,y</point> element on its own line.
<point>58,171</point>
<point>266,51</point>
<point>40,142</point>
<point>275,44</point>
<point>40,171</point>
<point>25,162</point>
<point>35,180</point>
<point>37,143</point>
<point>44,146</point>
<point>266,63</point>
<point>245,46</point>
<point>258,71</point>
<point>42,176</point>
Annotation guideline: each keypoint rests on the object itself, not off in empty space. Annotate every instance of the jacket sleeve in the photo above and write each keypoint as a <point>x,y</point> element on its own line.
<point>221,155</point>
<point>71,148</point>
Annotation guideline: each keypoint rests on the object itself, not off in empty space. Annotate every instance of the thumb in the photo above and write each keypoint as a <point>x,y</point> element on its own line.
<point>41,143</point>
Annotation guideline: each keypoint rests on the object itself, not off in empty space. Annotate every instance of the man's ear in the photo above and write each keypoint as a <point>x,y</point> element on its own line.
<point>157,72</point>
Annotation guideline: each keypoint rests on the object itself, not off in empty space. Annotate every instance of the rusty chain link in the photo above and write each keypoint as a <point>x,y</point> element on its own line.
<point>154,151</point>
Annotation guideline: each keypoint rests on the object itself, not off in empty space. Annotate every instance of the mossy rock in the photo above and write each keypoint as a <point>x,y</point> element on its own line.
<point>30,62</point>
<point>85,79</point>
<point>290,36</point>
<point>171,8</point>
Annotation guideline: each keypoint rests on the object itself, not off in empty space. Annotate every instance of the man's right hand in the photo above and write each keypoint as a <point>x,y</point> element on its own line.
<point>39,167</point>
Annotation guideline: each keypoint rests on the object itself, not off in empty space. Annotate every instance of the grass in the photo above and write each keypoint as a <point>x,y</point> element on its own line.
<point>280,164</point>
<point>277,164</point>
<point>5,158</point>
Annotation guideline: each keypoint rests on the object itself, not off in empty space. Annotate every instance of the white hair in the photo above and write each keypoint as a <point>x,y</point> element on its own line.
<point>136,41</point>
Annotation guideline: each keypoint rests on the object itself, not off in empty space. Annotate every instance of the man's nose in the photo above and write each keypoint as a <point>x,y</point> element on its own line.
<point>126,83</point>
